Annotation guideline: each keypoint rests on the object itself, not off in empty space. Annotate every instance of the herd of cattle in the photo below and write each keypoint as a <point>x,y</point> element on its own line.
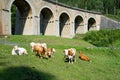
<point>41,50</point>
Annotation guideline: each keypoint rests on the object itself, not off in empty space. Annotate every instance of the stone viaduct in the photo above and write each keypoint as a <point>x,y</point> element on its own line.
<point>46,17</point>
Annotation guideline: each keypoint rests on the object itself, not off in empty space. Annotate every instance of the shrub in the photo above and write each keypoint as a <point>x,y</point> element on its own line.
<point>104,38</point>
<point>101,38</point>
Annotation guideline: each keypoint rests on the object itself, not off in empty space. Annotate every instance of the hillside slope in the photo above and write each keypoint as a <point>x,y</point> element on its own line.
<point>105,63</point>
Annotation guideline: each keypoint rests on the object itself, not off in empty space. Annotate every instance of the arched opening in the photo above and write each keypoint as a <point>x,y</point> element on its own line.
<point>91,24</point>
<point>79,24</point>
<point>64,25</point>
<point>46,22</point>
<point>21,17</point>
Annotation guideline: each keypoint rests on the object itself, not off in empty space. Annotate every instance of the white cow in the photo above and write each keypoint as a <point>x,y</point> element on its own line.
<point>18,50</point>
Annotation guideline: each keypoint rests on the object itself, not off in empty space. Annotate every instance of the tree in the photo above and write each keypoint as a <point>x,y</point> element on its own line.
<point>99,6</point>
<point>105,6</point>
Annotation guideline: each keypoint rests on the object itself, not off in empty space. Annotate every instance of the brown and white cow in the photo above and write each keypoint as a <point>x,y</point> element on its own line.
<point>50,52</point>
<point>83,57</point>
<point>69,55</point>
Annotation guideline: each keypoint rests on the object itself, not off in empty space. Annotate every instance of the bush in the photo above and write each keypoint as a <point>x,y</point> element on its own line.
<point>103,38</point>
<point>99,38</point>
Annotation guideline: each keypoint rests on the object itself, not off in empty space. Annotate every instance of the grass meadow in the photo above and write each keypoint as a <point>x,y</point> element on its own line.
<point>104,65</point>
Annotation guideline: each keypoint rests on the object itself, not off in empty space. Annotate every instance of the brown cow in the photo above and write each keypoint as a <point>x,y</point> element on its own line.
<point>83,57</point>
<point>40,51</point>
<point>32,44</point>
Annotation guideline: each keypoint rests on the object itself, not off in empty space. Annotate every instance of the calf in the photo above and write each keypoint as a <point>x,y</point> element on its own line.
<point>70,55</point>
<point>83,57</point>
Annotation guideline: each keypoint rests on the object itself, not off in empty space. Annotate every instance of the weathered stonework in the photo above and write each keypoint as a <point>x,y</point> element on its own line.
<point>45,17</point>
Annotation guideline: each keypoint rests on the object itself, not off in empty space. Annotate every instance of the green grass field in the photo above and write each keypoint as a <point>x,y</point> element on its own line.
<point>104,65</point>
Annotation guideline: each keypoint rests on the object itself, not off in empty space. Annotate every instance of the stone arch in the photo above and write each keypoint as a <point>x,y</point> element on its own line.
<point>79,24</point>
<point>46,22</point>
<point>64,25</point>
<point>24,16</point>
<point>91,24</point>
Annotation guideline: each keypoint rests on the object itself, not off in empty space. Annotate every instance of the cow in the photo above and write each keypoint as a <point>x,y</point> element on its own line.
<point>83,57</point>
<point>32,44</point>
<point>40,51</point>
<point>18,50</point>
<point>69,55</point>
<point>50,52</point>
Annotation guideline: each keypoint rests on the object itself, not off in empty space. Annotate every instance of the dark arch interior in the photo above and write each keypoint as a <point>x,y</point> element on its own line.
<point>45,16</point>
<point>78,22</point>
<point>20,10</point>
<point>91,23</point>
<point>64,19</point>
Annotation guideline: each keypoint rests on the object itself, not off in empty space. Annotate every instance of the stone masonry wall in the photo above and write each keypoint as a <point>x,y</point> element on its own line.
<point>109,23</point>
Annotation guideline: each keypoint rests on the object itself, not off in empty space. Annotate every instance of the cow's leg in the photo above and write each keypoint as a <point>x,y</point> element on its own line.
<point>69,61</point>
<point>72,60</point>
<point>66,58</point>
<point>35,52</point>
<point>46,55</point>
<point>40,55</point>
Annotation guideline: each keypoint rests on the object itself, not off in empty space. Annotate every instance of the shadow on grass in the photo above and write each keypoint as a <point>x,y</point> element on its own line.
<point>24,73</point>
<point>3,64</point>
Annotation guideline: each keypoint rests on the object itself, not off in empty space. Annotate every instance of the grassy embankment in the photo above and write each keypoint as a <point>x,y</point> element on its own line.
<point>104,65</point>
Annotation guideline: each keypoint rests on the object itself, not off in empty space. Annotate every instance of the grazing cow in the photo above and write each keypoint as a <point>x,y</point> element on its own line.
<point>50,51</point>
<point>70,55</point>
<point>40,50</point>
<point>83,57</point>
<point>18,50</point>
<point>32,44</point>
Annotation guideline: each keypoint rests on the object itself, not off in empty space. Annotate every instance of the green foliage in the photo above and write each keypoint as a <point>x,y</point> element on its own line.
<point>114,17</point>
<point>106,38</point>
<point>102,38</point>
<point>99,38</point>
<point>104,6</point>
